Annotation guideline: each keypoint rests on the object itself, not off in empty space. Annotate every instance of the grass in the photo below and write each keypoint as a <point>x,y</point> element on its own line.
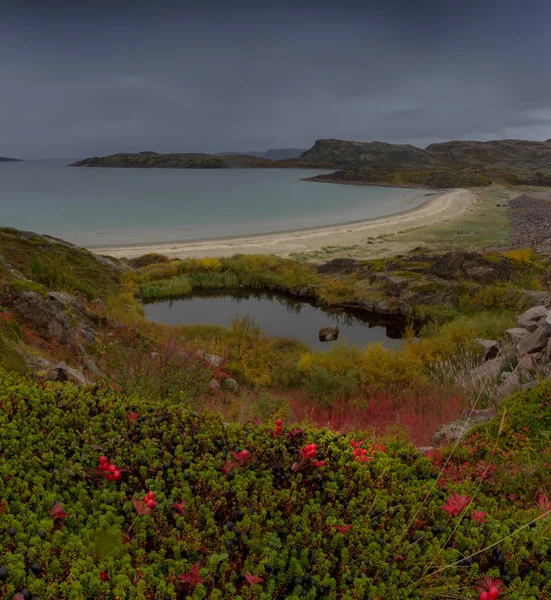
<point>486,225</point>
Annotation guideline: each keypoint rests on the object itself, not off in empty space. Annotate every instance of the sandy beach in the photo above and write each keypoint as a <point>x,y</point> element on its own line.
<point>438,208</point>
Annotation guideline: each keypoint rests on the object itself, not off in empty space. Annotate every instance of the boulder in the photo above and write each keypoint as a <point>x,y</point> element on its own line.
<point>65,373</point>
<point>329,334</point>
<point>91,370</point>
<point>528,319</point>
<point>213,359</point>
<point>534,298</point>
<point>490,348</point>
<point>395,285</point>
<point>88,333</point>
<point>526,364</point>
<point>536,341</point>
<point>340,266</point>
<point>488,371</point>
<point>515,334</point>
<point>547,322</point>
<point>509,385</point>
<point>46,314</point>
<point>454,431</point>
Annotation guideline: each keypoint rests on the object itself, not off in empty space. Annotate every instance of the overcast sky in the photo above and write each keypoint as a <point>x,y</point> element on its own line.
<point>88,78</point>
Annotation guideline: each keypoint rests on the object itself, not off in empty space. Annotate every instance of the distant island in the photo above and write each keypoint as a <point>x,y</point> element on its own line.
<point>442,165</point>
<point>272,154</point>
<point>7,159</point>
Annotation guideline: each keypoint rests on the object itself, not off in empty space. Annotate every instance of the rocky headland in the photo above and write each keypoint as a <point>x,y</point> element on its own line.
<point>444,165</point>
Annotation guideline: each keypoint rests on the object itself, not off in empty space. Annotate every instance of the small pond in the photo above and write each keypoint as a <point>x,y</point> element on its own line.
<point>278,315</point>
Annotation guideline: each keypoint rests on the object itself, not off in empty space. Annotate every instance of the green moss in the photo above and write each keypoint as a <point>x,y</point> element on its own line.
<point>27,286</point>
<point>10,359</point>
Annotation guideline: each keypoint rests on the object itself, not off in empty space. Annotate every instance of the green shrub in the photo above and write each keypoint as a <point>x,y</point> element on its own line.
<point>53,270</point>
<point>343,529</point>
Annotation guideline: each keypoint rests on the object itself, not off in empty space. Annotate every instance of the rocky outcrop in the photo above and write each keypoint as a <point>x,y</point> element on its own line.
<point>471,266</point>
<point>456,430</point>
<point>329,334</point>
<point>46,315</point>
<point>340,266</point>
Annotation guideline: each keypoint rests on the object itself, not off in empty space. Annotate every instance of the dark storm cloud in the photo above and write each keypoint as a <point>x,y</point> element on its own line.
<point>79,79</point>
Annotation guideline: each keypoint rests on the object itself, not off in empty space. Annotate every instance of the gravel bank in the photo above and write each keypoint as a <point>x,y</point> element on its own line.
<point>530,216</point>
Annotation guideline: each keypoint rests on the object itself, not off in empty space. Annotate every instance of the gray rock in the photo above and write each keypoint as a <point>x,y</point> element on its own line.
<point>534,342</point>
<point>231,384</point>
<point>395,285</point>
<point>65,373</point>
<point>46,314</point>
<point>547,321</point>
<point>529,385</point>
<point>488,371</point>
<point>509,385</point>
<point>214,385</point>
<point>515,334</point>
<point>340,266</point>
<point>534,297</point>
<point>490,348</point>
<point>329,334</point>
<point>88,333</point>
<point>91,370</point>
<point>213,359</point>
<point>526,364</point>
<point>531,316</point>
<point>454,431</point>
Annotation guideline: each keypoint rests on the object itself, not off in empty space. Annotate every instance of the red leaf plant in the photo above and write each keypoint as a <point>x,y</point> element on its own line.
<point>104,576</point>
<point>179,507</point>
<point>252,580</point>
<point>242,457</point>
<point>278,430</point>
<point>308,454</point>
<point>344,529</point>
<point>192,577</point>
<point>544,504</point>
<point>456,504</point>
<point>489,588</point>
<point>57,512</point>
<point>132,416</point>
<point>479,516</point>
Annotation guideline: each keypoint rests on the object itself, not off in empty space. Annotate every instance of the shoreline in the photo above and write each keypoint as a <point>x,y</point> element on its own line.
<point>438,207</point>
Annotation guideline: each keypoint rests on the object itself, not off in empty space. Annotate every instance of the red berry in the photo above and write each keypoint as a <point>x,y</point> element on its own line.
<point>112,468</point>
<point>244,453</point>
<point>151,503</point>
<point>493,593</point>
<point>279,422</point>
<point>110,477</point>
<point>150,495</point>
<point>117,475</point>
<point>484,596</point>
<point>102,460</point>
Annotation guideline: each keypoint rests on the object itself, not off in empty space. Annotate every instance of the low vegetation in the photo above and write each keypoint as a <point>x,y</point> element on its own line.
<point>192,507</point>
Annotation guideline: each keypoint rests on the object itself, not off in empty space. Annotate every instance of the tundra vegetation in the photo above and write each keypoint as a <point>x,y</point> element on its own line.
<point>211,462</point>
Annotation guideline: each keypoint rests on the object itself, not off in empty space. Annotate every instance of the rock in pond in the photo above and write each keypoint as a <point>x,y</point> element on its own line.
<point>329,334</point>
